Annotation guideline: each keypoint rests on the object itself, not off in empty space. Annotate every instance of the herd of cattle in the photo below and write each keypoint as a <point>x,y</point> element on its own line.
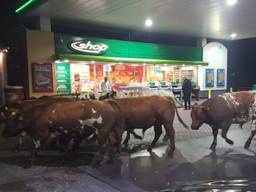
<point>69,121</point>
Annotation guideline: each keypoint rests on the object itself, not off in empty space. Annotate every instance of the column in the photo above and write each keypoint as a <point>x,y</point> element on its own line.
<point>44,23</point>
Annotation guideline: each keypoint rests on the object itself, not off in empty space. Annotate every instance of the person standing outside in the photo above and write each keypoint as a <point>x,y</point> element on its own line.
<point>105,86</point>
<point>187,89</point>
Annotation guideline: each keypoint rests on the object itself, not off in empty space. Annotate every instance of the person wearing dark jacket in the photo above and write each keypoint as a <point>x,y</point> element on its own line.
<point>187,89</point>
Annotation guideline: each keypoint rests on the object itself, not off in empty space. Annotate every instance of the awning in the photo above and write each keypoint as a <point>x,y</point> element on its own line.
<point>76,57</point>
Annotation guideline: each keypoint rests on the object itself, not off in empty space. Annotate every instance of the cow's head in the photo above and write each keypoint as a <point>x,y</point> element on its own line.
<point>198,116</point>
<point>13,124</point>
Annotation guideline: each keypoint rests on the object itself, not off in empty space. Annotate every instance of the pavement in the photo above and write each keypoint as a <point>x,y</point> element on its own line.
<point>192,167</point>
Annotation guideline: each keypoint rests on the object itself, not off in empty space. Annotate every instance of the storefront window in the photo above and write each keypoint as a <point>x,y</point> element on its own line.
<point>87,77</point>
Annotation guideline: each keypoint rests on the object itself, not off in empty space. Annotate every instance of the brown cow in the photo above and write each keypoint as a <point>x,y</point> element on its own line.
<point>147,111</point>
<point>48,121</point>
<point>15,107</point>
<point>222,111</point>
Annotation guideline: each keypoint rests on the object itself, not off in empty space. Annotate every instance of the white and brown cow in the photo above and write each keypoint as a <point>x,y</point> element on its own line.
<point>69,119</point>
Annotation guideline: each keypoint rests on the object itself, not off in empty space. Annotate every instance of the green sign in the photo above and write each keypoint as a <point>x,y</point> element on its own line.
<point>220,77</point>
<point>62,76</point>
<point>86,48</point>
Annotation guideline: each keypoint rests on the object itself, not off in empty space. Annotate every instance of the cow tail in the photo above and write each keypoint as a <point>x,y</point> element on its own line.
<point>178,115</point>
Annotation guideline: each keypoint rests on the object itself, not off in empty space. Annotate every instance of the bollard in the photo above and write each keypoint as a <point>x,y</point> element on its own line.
<point>209,93</point>
<point>231,89</point>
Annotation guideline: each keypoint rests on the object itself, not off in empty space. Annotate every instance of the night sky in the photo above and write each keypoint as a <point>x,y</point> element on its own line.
<point>8,19</point>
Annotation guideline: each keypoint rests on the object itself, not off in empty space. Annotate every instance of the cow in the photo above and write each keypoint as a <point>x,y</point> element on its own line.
<point>221,111</point>
<point>14,107</point>
<point>144,112</point>
<point>52,120</point>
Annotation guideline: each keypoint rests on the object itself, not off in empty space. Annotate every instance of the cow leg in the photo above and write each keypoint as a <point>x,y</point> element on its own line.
<point>158,133</point>
<point>171,135</point>
<point>35,148</point>
<point>215,134</point>
<point>127,138</point>
<point>225,128</point>
<point>20,141</point>
<point>249,140</point>
<point>101,140</point>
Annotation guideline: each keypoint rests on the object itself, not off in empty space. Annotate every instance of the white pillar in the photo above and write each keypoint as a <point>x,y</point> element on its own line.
<point>44,23</point>
<point>201,42</point>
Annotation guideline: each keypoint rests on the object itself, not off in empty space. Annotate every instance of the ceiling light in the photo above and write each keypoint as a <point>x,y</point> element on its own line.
<point>148,23</point>
<point>66,61</point>
<point>93,62</point>
<point>120,63</point>
<point>231,2</point>
<point>233,35</point>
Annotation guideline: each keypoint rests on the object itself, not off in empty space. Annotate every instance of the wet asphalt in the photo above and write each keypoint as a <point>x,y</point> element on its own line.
<point>192,167</point>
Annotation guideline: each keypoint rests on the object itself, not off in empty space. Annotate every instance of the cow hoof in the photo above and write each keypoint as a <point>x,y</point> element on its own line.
<point>149,149</point>
<point>213,147</point>
<point>170,152</point>
<point>230,142</point>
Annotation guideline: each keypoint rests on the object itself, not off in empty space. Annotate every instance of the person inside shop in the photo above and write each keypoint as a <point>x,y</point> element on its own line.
<point>105,86</point>
<point>187,89</point>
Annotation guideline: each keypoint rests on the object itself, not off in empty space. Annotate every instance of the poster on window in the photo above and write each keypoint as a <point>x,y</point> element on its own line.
<point>80,78</point>
<point>220,77</point>
<point>42,77</point>
<point>62,75</point>
<point>209,78</point>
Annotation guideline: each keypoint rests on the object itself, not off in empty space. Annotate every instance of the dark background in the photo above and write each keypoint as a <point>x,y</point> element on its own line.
<point>241,53</point>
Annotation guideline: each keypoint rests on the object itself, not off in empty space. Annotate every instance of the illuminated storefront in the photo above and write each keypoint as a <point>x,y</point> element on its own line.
<point>82,63</point>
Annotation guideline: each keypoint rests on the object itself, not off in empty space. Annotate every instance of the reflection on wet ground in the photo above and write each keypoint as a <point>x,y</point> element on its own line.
<point>216,186</point>
<point>191,162</point>
<point>193,167</point>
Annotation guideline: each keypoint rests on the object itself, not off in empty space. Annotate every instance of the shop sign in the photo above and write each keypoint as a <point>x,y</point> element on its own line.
<point>88,47</point>
<point>42,77</point>
<point>62,75</point>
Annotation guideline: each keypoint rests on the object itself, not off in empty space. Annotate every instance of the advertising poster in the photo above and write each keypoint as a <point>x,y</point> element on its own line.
<point>209,78</point>
<point>220,77</point>
<point>42,77</point>
<point>80,78</point>
<point>62,74</point>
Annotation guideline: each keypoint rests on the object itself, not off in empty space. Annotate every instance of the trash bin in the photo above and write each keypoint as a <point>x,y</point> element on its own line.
<point>14,93</point>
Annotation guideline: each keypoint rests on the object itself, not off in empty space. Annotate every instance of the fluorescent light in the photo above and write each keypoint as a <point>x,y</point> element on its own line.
<point>233,35</point>
<point>92,61</point>
<point>120,63</point>
<point>24,6</point>
<point>231,2</point>
<point>66,61</point>
<point>148,23</point>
